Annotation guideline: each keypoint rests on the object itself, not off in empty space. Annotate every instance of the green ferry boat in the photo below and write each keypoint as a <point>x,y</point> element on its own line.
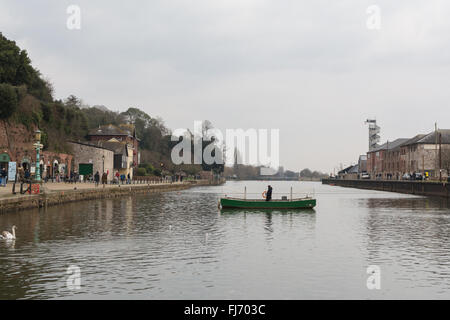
<point>302,203</point>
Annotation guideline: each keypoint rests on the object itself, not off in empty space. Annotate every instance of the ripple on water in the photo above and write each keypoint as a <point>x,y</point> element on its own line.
<point>177,245</point>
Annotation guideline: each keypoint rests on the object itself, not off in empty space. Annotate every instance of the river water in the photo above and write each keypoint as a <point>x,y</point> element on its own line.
<point>178,245</point>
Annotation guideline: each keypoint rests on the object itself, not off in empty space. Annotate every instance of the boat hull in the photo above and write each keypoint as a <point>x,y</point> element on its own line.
<point>307,203</point>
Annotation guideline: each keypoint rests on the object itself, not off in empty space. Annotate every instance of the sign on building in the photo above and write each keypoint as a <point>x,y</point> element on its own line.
<point>12,168</point>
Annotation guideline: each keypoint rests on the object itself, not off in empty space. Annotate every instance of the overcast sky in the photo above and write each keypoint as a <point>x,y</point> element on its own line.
<point>309,68</point>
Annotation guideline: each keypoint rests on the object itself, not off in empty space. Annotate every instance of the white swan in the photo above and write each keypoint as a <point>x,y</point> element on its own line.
<point>6,235</point>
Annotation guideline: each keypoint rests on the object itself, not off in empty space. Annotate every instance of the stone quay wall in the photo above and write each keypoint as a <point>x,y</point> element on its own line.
<point>45,199</point>
<point>422,188</point>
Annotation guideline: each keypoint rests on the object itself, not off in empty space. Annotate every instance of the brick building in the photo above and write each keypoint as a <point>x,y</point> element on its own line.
<point>90,159</point>
<point>125,133</point>
<point>362,163</point>
<point>420,154</point>
<point>123,155</point>
<point>53,164</point>
<point>383,162</point>
<point>405,150</point>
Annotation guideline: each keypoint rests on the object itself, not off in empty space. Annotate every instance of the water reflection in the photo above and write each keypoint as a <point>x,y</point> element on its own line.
<point>304,219</point>
<point>413,242</point>
<point>408,203</point>
<point>178,245</point>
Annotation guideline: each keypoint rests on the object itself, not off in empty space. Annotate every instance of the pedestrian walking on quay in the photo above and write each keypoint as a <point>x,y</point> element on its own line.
<point>20,174</point>
<point>27,175</point>
<point>4,176</point>
<point>104,179</point>
<point>97,179</point>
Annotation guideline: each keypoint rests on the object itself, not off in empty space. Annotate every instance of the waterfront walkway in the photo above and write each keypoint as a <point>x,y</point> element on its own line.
<point>49,187</point>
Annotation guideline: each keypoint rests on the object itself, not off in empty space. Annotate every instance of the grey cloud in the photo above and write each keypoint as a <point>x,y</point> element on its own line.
<point>310,68</point>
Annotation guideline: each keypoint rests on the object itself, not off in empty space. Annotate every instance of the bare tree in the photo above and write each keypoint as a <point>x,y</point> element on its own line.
<point>445,157</point>
<point>206,125</point>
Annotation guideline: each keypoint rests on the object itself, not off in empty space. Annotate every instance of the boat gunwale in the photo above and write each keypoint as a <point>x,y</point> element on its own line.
<point>272,200</point>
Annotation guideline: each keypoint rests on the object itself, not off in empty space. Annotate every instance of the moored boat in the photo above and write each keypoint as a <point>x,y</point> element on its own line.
<point>300,203</point>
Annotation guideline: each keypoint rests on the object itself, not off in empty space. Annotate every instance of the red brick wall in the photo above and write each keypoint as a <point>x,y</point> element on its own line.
<point>62,158</point>
<point>376,164</point>
<point>17,141</point>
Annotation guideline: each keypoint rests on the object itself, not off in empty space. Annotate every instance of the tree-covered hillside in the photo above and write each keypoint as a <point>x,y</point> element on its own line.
<point>26,98</point>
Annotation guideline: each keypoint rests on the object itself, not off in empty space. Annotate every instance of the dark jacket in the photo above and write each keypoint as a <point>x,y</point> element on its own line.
<point>269,194</point>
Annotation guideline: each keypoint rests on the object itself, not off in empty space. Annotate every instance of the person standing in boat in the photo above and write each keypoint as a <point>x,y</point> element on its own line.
<point>269,193</point>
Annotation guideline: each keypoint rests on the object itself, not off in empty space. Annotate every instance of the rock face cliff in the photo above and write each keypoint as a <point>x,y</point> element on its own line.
<point>16,140</point>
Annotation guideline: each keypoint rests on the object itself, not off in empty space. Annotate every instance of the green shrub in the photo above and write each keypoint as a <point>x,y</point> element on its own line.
<point>21,92</point>
<point>44,139</point>
<point>150,169</point>
<point>25,119</point>
<point>46,111</point>
<point>141,172</point>
<point>8,100</point>
<point>37,117</point>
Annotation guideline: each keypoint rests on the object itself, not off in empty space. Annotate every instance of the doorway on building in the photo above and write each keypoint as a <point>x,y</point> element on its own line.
<point>42,169</point>
<point>86,170</point>
<point>4,160</point>
<point>55,170</point>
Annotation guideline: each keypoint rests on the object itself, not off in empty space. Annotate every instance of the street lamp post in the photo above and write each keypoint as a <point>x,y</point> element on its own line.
<point>103,158</point>
<point>38,147</point>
